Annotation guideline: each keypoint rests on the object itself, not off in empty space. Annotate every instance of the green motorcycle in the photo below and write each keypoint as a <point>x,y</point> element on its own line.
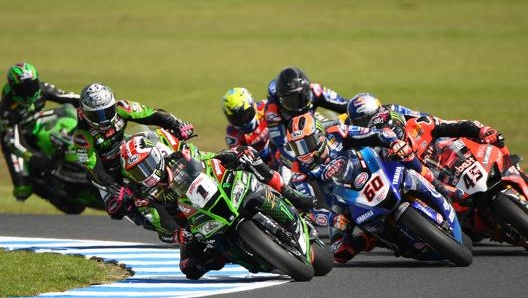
<point>272,236</point>
<point>65,184</point>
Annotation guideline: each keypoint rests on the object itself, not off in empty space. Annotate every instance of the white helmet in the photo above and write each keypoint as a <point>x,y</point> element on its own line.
<point>98,105</point>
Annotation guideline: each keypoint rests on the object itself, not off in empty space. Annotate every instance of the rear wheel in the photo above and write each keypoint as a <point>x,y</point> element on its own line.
<point>57,197</point>
<point>511,213</point>
<point>67,207</point>
<point>437,238</point>
<point>277,256</point>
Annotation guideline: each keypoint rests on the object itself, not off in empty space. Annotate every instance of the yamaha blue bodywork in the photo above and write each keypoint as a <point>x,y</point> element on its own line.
<point>376,195</point>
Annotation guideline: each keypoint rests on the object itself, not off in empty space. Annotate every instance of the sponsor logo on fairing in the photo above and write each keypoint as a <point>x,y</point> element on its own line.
<point>487,155</point>
<point>397,174</point>
<point>439,218</point>
<point>461,168</point>
<point>360,180</point>
<point>364,216</point>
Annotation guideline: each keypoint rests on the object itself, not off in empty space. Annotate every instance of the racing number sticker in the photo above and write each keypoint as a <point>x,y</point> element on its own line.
<point>472,176</point>
<point>201,190</point>
<point>372,188</point>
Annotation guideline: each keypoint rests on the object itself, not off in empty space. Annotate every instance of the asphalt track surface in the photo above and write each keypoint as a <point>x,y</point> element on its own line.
<point>498,270</point>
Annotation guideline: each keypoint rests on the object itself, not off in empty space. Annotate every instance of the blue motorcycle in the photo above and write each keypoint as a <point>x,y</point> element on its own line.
<point>423,229</point>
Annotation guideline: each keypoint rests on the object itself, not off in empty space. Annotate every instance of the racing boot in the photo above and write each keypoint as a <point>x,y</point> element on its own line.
<point>196,259</point>
<point>451,193</point>
<point>23,188</point>
<point>345,248</point>
<point>22,192</point>
<point>301,201</point>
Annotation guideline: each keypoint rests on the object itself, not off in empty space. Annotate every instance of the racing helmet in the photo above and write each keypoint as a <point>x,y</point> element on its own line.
<point>392,120</point>
<point>240,109</point>
<point>362,107</point>
<point>23,80</point>
<point>142,161</point>
<point>185,169</point>
<point>306,137</point>
<point>293,90</point>
<point>98,105</point>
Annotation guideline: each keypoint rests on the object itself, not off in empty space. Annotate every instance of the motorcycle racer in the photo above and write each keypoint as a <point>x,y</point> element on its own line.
<point>246,123</point>
<point>145,164</point>
<point>23,96</point>
<point>100,131</point>
<point>292,94</point>
<point>365,109</point>
<point>320,160</point>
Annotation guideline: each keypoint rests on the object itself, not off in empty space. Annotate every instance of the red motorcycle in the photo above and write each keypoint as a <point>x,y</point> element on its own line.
<point>495,203</point>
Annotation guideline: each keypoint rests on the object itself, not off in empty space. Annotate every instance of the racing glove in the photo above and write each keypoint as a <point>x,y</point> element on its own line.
<point>401,150</point>
<point>246,155</point>
<point>118,202</point>
<point>489,135</point>
<point>238,158</point>
<point>184,131</point>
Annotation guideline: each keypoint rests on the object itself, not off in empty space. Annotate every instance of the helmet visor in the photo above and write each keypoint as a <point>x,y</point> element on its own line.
<point>307,145</point>
<point>146,172</point>
<point>363,121</point>
<point>101,117</point>
<point>27,89</point>
<point>296,102</point>
<point>242,118</point>
<point>185,171</point>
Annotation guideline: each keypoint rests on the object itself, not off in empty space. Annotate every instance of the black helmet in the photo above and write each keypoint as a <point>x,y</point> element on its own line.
<point>293,90</point>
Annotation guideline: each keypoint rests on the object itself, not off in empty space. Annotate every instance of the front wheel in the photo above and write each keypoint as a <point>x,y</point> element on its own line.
<point>511,213</point>
<point>277,256</point>
<point>436,238</point>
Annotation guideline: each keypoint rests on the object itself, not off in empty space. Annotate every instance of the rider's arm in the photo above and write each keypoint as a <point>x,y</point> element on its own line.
<point>405,111</point>
<point>456,129</point>
<point>139,113</point>
<point>328,99</point>
<point>277,129</point>
<point>52,93</point>
<point>353,136</point>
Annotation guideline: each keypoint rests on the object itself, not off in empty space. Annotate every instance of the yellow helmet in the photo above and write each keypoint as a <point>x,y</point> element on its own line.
<point>240,109</point>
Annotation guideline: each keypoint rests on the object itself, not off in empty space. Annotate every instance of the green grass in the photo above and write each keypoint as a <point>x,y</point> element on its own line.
<point>51,272</point>
<point>455,58</point>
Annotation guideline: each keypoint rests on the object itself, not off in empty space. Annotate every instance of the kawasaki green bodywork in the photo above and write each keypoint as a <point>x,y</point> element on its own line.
<point>53,131</point>
<point>214,221</point>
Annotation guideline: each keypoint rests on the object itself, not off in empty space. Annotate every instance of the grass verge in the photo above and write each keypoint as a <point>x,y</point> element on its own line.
<point>25,273</point>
